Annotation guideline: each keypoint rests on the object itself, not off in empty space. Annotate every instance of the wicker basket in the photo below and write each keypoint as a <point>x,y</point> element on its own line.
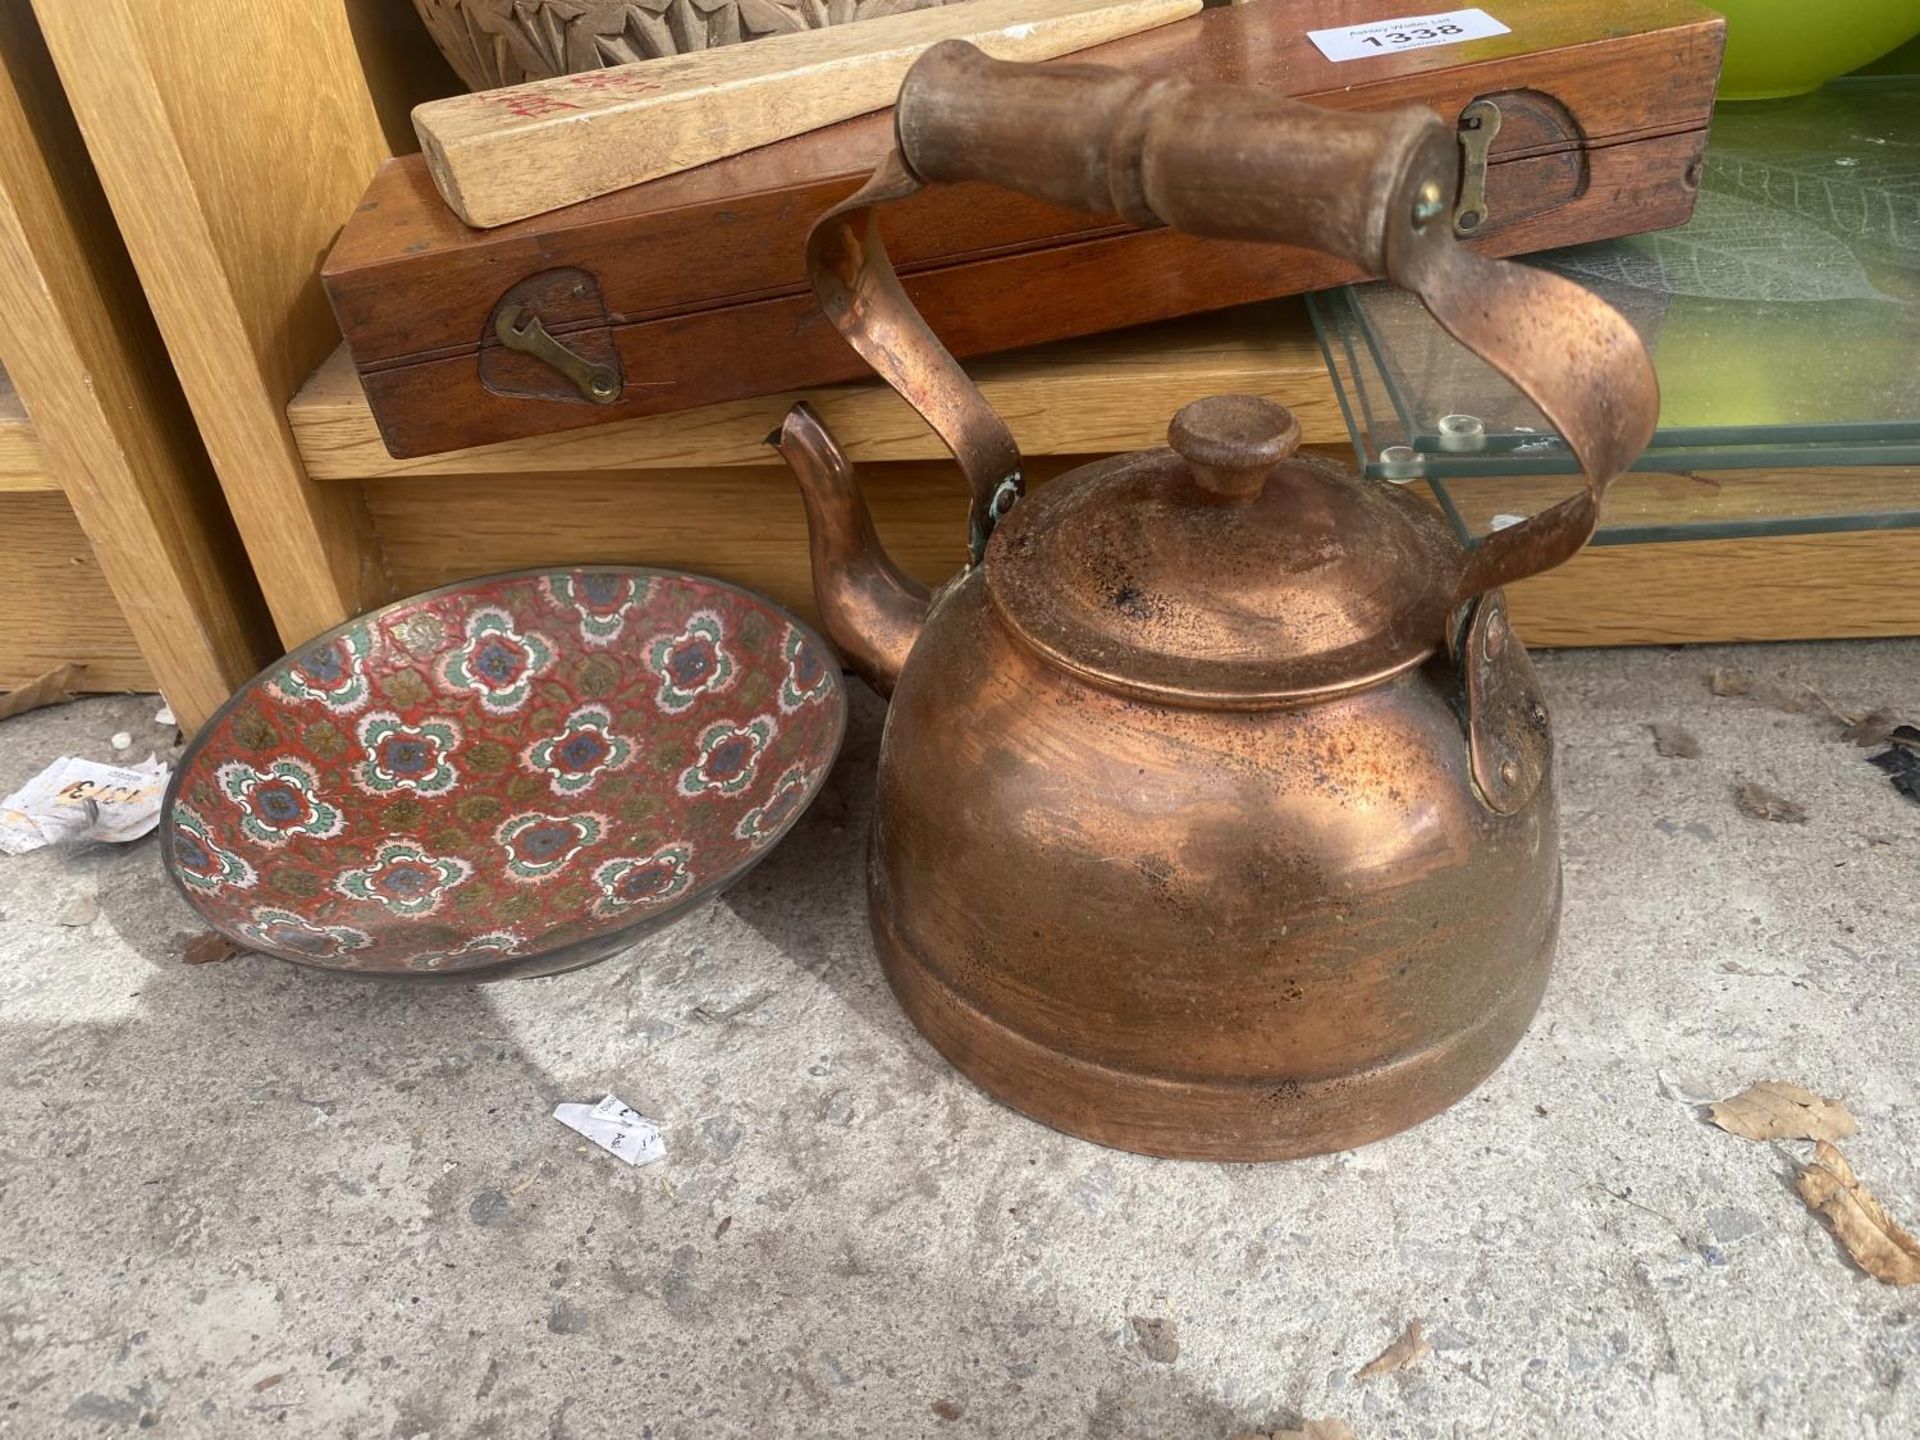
<point>503,42</point>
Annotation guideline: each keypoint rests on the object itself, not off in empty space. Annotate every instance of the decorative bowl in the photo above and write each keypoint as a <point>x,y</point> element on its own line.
<point>509,776</point>
<point>1788,47</point>
<point>491,43</point>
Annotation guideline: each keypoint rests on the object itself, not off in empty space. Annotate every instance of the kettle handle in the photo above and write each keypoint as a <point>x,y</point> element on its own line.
<point>1237,163</point>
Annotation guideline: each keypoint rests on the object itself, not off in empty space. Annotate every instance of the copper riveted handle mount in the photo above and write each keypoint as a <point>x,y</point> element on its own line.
<point>1234,163</point>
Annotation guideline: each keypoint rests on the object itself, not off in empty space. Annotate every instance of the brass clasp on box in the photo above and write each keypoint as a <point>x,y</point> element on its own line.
<point>1479,123</point>
<point>522,332</point>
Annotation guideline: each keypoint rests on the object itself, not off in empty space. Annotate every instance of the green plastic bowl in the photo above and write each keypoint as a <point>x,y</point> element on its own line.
<point>1788,47</point>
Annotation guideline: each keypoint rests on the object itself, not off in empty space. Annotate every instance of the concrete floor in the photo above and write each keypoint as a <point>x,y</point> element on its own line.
<point>241,1195</point>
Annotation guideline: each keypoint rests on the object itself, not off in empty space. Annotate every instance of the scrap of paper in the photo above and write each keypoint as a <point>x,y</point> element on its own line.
<point>74,800</point>
<point>616,1128</point>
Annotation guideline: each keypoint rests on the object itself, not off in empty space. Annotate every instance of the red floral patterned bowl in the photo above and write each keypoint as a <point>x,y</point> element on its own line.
<point>509,776</point>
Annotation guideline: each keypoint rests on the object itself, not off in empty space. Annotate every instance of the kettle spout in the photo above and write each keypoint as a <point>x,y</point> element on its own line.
<point>871,611</point>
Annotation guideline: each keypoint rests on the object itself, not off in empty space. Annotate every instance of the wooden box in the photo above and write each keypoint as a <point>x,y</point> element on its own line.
<point>692,289</point>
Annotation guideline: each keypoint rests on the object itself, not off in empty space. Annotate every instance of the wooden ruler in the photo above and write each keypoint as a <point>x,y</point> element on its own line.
<point>503,155</point>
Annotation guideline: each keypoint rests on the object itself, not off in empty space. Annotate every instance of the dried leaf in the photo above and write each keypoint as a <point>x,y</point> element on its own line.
<point>1159,1338</point>
<point>208,948</point>
<point>1311,1430</point>
<point>1778,1110</point>
<point>1410,1349</point>
<point>1860,1222</point>
<point>1871,729</point>
<point>1764,804</point>
<point>1730,682</point>
<point>1675,742</point>
<point>56,687</point>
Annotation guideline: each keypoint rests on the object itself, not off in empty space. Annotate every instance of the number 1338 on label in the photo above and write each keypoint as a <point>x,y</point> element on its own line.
<point>1413,32</point>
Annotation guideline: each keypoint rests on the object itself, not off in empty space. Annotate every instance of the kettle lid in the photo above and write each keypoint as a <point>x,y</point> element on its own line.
<point>1227,570</point>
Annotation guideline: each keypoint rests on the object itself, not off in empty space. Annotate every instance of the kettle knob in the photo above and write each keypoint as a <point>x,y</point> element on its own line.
<point>1232,442</point>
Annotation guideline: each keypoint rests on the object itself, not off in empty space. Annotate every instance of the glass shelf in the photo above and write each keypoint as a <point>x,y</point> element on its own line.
<point>1784,321</point>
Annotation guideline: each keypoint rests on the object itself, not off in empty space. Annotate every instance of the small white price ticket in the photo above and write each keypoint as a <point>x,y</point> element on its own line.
<point>73,800</point>
<point>1414,32</point>
<point>616,1128</point>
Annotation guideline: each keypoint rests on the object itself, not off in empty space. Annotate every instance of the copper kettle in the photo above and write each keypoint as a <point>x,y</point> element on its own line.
<point>1215,811</point>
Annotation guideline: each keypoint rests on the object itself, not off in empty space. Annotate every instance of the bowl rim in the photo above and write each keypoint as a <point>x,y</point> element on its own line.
<point>573,953</point>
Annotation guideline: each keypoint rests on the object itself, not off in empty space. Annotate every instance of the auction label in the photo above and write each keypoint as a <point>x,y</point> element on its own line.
<point>1416,32</point>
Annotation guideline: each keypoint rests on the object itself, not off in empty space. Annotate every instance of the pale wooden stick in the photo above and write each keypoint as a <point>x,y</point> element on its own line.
<point>502,155</point>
